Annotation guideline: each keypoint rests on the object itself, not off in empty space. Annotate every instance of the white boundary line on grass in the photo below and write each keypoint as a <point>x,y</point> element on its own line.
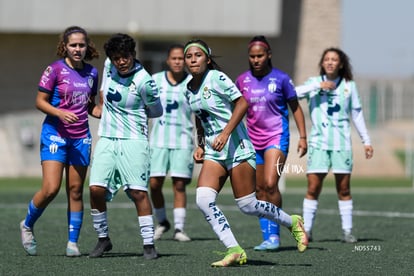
<point>128,205</point>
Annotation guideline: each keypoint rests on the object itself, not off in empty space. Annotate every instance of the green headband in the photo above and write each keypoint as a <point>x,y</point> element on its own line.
<point>197,45</point>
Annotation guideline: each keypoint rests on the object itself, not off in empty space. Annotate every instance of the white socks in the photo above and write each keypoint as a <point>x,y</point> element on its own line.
<point>179,218</point>
<point>100,223</point>
<point>206,202</point>
<point>146,225</point>
<point>309,211</point>
<point>345,210</point>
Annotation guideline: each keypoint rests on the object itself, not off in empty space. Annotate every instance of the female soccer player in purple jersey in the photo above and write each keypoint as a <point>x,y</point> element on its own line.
<point>333,99</point>
<point>226,151</point>
<point>269,92</point>
<point>66,95</point>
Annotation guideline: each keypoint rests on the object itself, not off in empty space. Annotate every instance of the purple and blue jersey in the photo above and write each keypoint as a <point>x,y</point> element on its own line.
<point>69,90</point>
<point>268,113</point>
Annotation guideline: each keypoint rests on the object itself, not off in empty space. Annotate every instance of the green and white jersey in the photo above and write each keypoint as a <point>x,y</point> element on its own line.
<point>125,99</point>
<point>331,112</point>
<point>174,129</point>
<point>213,105</point>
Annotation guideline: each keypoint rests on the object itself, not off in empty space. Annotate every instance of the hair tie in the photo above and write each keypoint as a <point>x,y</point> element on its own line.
<point>259,43</point>
<point>204,49</point>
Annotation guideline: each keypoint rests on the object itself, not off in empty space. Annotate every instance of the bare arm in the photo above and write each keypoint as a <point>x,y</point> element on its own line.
<point>95,110</point>
<point>199,152</point>
<point>300,124</point>
<point>43,104</point>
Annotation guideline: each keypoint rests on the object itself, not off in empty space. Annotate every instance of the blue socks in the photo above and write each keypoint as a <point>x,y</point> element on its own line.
<point>269,228</point>
<point>74,225</point>
<point>32,215</point>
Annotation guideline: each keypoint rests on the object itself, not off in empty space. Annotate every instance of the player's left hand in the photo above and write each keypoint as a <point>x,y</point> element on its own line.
<point>220,141</point>
<point>302,147</point>
<point>369,152</point>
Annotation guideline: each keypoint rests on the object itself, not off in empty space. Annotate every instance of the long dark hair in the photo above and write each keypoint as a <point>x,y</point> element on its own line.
<point>345,71</point>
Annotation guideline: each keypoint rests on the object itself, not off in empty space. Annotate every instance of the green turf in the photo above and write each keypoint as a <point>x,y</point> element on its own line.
<point>383,222</point>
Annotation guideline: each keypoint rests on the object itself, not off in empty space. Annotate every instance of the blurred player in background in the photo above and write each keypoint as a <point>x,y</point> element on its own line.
<point>121,157</point>
<point>67,91</point>
<point>333,99</point>
<point>172,146</point>
<point>270,93</point>
<point>226,151</point>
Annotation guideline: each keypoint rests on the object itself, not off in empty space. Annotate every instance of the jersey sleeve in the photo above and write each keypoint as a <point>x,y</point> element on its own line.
<point>105,71</point>
<point>151,98</point>
<point>289,90</point>
<point>358,116</point>
<point>48,80</point>
<point>227,87</point>
<point>312,84</point>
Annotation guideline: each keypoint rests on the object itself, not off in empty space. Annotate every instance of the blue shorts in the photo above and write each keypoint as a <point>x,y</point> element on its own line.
<point>260,153</point>
<point>65,150</point>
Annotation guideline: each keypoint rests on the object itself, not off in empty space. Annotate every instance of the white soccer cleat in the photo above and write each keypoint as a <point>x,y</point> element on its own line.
<point>28,239</point>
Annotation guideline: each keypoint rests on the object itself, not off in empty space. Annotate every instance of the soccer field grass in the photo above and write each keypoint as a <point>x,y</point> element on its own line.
<point>383,223</point>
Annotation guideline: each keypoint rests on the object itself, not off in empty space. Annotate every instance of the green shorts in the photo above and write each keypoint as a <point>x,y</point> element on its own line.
<point>120,163</point>
<point>231,163</point>
<point>321,161</point>
<point>179,162</point>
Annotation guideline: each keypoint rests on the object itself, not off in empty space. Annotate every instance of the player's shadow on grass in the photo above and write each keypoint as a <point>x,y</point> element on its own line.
<point>118,255</point>
<point>291,248</point>
<point>131,254</point>
<point>203,239</point>
<point>360,240</point>
<point>253,262</point>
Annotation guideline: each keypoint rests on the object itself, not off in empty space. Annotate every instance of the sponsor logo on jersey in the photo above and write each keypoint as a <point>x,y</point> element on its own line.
<point>64,71</point>
<point>55,138</point>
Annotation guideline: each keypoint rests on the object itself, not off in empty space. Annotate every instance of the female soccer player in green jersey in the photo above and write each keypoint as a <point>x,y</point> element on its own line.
<point>121,157</point>
<point>333,99</point>
<point>226,151</point>
<point>172,145</point>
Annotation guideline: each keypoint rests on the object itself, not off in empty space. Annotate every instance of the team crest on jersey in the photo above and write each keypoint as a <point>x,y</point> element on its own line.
<point>90,82</point>
<point>206,93</point>
<point>272,86</point>
<point>346,92</point>
<point>132,87</point>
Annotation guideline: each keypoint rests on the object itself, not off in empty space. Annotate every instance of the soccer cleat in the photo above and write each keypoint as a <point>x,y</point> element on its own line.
<point>298,232</point>
<point>72,250</point>
<point>270,244</point>
<point>349,238</point>
<point>161,229</point>
<point>149,252</point>
<point>28,239</point>
<point>234,256</point>
<point>103,245</point>
<point>181,236</point>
